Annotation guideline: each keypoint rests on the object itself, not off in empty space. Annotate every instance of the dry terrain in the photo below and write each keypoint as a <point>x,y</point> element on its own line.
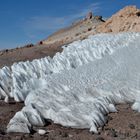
<point>123,125</point>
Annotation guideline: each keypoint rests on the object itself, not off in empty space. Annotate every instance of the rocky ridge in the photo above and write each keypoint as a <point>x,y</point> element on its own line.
<point>127,19</point>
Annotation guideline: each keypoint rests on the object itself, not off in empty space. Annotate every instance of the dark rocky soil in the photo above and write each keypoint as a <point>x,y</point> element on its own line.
<point>123,125</point>
<point>9,57</point>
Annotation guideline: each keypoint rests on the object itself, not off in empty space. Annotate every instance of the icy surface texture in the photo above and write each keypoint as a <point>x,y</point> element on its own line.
<point>78,87</point>
<point>23,74</point>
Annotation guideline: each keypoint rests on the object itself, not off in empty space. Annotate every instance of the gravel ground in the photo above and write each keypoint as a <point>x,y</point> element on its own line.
<point>123,125</point>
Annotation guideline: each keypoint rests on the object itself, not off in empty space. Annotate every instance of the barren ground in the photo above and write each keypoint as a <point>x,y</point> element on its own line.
<point>124,125</point>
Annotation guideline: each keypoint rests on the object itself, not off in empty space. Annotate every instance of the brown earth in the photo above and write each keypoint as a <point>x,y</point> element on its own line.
<point>123,125</point>
<point>28,53</point>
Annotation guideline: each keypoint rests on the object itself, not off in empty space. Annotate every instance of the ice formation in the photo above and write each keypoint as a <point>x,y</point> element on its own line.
<point>78,87</point>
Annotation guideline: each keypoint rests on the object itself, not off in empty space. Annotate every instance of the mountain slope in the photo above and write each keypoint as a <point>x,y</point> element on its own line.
<point>78,30</point>
<point>127,19</point>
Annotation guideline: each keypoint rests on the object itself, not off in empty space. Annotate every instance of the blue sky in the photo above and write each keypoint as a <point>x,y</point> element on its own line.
<point>26,21</point>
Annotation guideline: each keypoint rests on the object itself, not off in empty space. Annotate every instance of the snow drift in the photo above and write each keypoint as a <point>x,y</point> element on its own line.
<point>78,87</point>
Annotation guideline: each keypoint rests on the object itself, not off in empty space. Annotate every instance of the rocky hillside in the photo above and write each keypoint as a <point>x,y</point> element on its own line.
<point>127,19</point>
<point>78,30</point>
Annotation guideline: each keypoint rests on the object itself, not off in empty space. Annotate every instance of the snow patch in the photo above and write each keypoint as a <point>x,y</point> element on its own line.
<point>78,87</point>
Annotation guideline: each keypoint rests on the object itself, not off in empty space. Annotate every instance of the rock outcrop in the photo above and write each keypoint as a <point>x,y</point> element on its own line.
<point>127,19</point>
<point>77,31</point>
<point>89,15</point>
